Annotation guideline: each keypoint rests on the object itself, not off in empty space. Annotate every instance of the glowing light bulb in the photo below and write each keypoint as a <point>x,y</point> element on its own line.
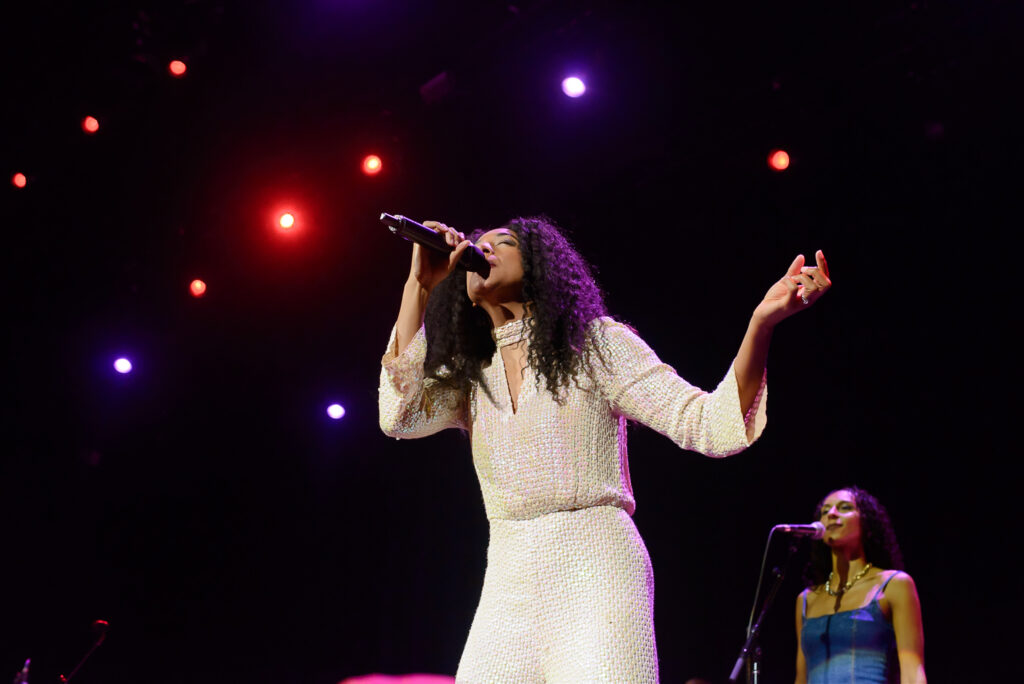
<point>573,86</point>
<point>372,165</point>
<point>778,160</point>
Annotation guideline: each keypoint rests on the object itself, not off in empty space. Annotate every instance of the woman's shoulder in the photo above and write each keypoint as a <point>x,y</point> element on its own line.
<point>898,581</point>
<point>607,329</point>
<point>615,340</point>
<point>807,598</point>
<point>811,593</point>
<point>607,323</point>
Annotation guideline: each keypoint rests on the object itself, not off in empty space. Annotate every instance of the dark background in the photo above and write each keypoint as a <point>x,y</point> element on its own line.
<point>229,531</point>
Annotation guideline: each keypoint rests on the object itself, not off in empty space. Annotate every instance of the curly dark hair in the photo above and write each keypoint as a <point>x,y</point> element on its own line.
<point>562,298</point>
<point>880,546</point>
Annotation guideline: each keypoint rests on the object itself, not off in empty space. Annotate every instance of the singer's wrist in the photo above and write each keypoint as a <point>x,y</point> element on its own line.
<point>761,325</point>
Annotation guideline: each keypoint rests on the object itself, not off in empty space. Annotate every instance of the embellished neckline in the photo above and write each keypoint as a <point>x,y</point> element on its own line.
<point>512,332</point>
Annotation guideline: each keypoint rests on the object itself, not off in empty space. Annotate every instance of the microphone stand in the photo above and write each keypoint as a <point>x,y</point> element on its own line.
<point>751,651</point>
<point>101,627</point>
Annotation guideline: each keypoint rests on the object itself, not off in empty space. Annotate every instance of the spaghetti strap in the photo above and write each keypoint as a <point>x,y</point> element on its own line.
<point>803,613</point>
<point>881,589</point>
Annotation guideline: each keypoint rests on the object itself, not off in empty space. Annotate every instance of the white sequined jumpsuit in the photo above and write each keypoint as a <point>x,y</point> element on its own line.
<point>568,595</point>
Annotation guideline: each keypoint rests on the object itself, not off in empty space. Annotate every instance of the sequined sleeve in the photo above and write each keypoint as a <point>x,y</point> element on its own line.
<point>639,386</point>
<point>409,404</point>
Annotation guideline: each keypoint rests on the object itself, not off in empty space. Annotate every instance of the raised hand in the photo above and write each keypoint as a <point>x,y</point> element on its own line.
<point>795,291</point>
<point>429,267</point>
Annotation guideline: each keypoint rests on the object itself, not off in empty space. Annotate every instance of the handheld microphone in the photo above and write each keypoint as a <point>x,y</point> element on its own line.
<point>815,530</point>
<point>472,259</point>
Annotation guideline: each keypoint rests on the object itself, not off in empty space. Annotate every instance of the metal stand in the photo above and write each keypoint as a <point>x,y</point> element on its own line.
<point>751,652</point>
<point>99,626</point>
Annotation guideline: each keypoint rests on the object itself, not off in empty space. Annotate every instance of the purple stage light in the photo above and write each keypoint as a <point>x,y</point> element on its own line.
<point>573,86</point>
<point>123,365</point>
<point>336,411</point>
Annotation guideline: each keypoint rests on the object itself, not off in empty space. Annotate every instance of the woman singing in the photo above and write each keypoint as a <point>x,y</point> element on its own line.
<point>859,620</point>
<point>527,362</point>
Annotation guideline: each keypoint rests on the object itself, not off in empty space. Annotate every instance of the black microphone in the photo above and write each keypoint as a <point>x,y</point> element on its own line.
<point>472,259</point>
<point>815,530</point>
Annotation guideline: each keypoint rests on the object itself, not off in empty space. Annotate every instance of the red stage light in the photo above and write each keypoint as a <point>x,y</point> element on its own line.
<point>177,67</point>
<point>90,124</point>
<point>372,165</point>
<point>286,221</point>
<point>19,180</point>
<point>197,287</point>
<point>778,160</point>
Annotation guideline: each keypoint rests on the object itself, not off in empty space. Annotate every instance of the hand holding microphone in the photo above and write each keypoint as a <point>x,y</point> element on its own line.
<point>429,266</point>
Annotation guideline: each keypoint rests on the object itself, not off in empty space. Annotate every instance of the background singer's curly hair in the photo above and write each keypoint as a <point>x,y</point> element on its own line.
<point>563,299</point>
<point>880,546</point>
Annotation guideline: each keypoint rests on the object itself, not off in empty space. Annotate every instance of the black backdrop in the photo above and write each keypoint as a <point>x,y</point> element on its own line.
<point>229,531</point>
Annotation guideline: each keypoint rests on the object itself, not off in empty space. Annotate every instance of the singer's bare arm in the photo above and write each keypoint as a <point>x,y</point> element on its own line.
<point>428,268</point>
<point>906,623</point>
<point>783,299</point>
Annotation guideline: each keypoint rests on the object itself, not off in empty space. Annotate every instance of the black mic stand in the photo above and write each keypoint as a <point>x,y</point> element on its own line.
<point>99,626</point>
<point>751,651</point>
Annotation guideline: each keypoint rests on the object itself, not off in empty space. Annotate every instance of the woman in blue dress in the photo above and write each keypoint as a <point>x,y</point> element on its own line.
<point>859,620</point>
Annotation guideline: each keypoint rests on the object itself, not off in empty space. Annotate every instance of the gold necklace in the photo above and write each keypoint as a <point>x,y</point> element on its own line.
<point>846,587</point>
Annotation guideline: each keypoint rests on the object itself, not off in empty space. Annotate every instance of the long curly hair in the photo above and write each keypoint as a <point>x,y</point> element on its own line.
<point>562,299</point>
<point>880,546</point>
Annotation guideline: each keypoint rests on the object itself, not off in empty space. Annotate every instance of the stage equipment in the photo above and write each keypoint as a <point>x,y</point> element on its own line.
<point>751,651</point>
<point>98,627</point>
<point>815,530</point>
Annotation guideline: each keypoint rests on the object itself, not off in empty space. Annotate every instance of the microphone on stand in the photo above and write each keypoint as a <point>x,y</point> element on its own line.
<point>472,259</point>
<point>815,530</point>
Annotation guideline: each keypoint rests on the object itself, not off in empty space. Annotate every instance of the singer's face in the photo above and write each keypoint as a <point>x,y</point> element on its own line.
<point>505,283</point>
<point>841,518</point>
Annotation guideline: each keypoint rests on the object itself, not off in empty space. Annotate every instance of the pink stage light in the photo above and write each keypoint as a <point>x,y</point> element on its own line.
<point>197,287</point>
<point>372,165</point>
<point>573,86</point>
<point>90,124</point>
<point>336,411</point>
<point>778,160</point>
<point>286,221</point>
<point>123,365</point>
<point>177,68</point>
<point>19,180</point>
